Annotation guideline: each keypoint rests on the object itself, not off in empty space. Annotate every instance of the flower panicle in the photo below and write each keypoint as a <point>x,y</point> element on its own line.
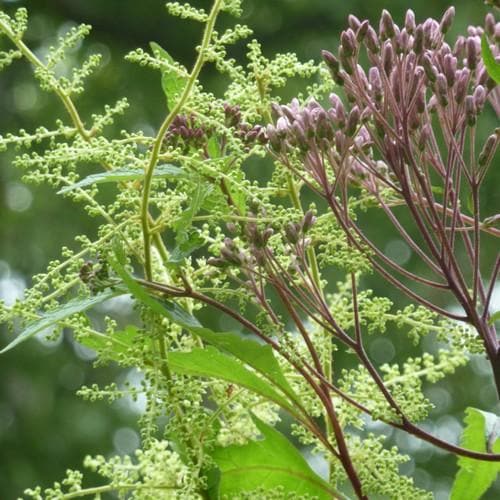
<point>413,75</point>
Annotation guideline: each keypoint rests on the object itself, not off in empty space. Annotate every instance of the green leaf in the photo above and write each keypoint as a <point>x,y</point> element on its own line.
<point>213,147</point>
<point>259,357</point>
<point>119,342</point>
<point>271,462</point>
<point>211,363</point>
<point>185,221</point>
<point>190,241</point>
<point>66,310</point>
<point>239,197</point>
<point>494,317</point>
<point>188,238</point>
<point>123,174</point>
<point>474,477</point>
<point>171,82</point>
<point>491,65</point>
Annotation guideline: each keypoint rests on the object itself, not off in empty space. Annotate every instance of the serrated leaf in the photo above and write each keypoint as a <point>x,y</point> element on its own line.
<point>211,363</point>
<point>474,477</point>
<point>119,342</point>
<point>182,224</point>
<point>187,238</point>
<point>239,198</point>
<point>66,310</point>
<point>123,174</point>
<point>268,463</point>
<point>191,241</point>
<point>172,83</point>
<point>491,65</point>
<point>259,357</point>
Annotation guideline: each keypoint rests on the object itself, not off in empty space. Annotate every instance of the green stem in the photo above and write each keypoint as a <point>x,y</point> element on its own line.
<point>97,490</point>
<point>148,176</point>
<point>61,93</point>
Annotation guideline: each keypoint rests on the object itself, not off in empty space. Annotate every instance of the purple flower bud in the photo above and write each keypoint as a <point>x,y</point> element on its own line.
<point>313,104</point>
<point>429,68</point>
<point>418,42</point>
<point>292,235</point>
<point>230,256</point>
<point>268,232</point>
<point>299,135</point>
<point>348,41</point>
<point>414,120</point>
<point>432,104</point>
<point>472,31</point>
<point>361,32</point>
<point>352,121</point>
<point>431,26</point>
<point>184,132</point>
<point>472,53</point>
<point>363,80</point>
<point>388,58</point>
<point>416,80</point>
<point>371,41</point>
<point>333,65</point>
<point>363,138</point>
<point>450,67</point>
<point>366,116</point>
<point>441,90</point>
<point>216,262</point>
<point>489,24</point>
<point>401,42</point>
<point>496,36</point>
<point>262,135</point>
<point>375,83</point>
<point>276,111</point>
<point>274,140</point>
<point>420,101</point>
<point>341,117</point>
<point>444,50</point>
<point>282,127</point>
<point>459,47</point>
<point>447,20</point>
<point>462,85</point>
<point>488,150</point>
<point>387,28</point>
<point>323,127</point>
<point>346,61</point>
<point>479,97</point>
<point>334,100</point>
<point>470,111</point>
<point>354,22</point>
<point>410,21</point>
<point>231,227</point>
<point>288,112</point>
<point>425,136</point>
<point>308,221</point>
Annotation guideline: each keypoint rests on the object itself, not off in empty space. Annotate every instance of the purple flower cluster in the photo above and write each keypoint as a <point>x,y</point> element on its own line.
<point>413,76</point>
<point>406,132</point>
<point>187,132</point>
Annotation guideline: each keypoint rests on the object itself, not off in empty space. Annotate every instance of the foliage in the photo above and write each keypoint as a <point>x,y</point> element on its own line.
<point>187,232</point>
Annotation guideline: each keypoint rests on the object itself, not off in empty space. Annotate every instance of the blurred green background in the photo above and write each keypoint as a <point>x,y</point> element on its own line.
<point>44,427</point>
